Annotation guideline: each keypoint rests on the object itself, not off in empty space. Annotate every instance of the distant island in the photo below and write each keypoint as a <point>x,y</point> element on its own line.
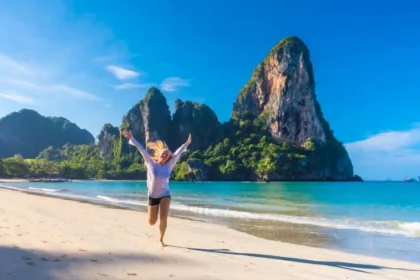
<point>276,132</point>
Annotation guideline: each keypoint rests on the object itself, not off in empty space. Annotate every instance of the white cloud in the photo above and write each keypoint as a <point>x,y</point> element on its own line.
<point>126,86</point>
<point>9,64</point>
<point>173,84</point>
<point>73,92</point>
<point>121,73</point>
<point>49,88</point>
<point>17,98</point>
<point>393,154</point>
<point>17,75</point>
<point>388,141</point>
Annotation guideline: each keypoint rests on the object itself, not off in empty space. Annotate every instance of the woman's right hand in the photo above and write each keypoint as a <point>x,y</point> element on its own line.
<point>127,134</point>
<point>188,140</point>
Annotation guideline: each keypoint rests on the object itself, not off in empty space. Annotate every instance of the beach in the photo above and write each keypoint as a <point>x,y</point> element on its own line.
<point>12,180</point>
<point>48,238</point>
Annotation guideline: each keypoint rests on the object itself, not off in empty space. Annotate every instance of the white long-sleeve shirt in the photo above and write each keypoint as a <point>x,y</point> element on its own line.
<point>158,175</point>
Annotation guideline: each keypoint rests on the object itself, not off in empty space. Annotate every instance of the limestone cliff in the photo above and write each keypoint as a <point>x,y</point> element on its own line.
<point>281,91</point>
<point>194,118</point>
<point>133,121</point>
<point>156,115</point>
<point>149,120</point>
<point>107,139</point>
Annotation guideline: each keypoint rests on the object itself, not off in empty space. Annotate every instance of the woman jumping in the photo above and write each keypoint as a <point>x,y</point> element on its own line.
<point>159,169</point>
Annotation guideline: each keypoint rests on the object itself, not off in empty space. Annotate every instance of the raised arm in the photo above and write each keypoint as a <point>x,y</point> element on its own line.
<point>175,157</point>
<point>132,141</point>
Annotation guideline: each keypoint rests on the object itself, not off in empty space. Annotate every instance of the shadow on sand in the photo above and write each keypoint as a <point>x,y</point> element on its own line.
<point>344,265</point>
<point>18,263</point>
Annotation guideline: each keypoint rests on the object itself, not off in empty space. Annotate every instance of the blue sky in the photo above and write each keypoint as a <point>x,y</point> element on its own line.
<point>90,61</point>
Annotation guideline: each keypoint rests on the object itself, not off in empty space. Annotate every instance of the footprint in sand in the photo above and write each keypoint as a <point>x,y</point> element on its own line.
<point>26,258</point>
<point>132,274</point>
<point>30,263</point>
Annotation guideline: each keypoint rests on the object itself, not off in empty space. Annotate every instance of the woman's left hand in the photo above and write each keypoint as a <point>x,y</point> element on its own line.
<point>188,140</point>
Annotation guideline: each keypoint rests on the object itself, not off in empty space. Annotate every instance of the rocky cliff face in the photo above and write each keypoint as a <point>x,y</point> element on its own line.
<point>281,91</point>
<point>282,88</point>
<point>156,116</point>
<point>194,118</point>
<point>107,139</point>
<point>28,133</point>
<point>149,119</point>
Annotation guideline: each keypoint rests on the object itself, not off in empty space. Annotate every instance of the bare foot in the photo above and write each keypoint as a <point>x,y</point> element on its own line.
<point>162,243</point>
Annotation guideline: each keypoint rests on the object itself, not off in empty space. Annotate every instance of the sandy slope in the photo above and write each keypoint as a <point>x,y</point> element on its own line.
<point>48,238</point>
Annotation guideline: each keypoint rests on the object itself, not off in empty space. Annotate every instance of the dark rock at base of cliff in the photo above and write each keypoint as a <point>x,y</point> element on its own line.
<point>199,169</point>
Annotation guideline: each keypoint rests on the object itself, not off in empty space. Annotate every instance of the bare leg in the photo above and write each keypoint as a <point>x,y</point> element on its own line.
<point>164,211</point>
<point>152,214</point>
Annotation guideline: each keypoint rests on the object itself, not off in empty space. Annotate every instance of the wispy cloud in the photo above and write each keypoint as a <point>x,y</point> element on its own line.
<point>73,92</point>
<point>38,88</point>
<point>17,98</point>
<point>8,63</point>
<point>122,73</point>
<point>127,86</point>
<point>173,84</point>
<point>393,154</point>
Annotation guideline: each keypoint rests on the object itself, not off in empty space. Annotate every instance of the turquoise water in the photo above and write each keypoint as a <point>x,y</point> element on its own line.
<point>370,218</point>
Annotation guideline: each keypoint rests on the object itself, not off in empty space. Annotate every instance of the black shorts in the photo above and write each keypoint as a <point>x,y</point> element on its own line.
<point>156,201</point>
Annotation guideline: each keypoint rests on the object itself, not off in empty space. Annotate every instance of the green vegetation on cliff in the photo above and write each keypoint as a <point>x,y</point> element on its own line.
<point>243,148</point>
<point>246,151</point>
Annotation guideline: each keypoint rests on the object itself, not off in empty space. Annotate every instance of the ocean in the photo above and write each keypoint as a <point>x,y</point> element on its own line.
<point>380,219</point>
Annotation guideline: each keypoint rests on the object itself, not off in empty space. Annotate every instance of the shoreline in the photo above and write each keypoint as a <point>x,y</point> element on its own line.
<point>68,225</point>
<point>292,232</point>
<point>5,181</point>
<point>21,180</point>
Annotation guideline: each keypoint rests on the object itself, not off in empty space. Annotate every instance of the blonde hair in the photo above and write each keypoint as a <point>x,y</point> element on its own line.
<point>157,147</point>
